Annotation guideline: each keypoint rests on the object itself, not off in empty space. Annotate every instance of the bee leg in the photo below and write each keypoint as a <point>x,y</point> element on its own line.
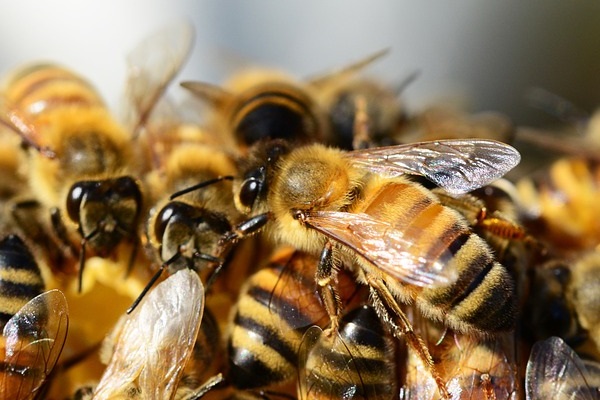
<point>240,231</point>
<point>361,138</point>
<point>61,231</point>
<point>389,311</point>
<point>206,387</point>
<point>133,256</point>
<point>327,291</point>
<point>215,272</point>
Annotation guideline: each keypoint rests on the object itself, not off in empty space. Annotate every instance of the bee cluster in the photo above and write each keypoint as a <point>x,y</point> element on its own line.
<point>306,239</point>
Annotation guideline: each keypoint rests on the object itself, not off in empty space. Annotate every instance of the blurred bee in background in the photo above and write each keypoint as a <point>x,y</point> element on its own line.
<point>564,301</point>
<point>444,122</point>
<point>152,346</point>
<point>34,323</point>
<point>82,168</point>
<point>362,111</point>
<point>88,179</point>
<point>357,362</point>
<point>356,207</point>
<point>258,104</point>
<point>555,371</point>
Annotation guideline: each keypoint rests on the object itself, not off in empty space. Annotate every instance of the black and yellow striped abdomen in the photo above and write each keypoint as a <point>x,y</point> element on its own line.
<point>359,361</point>
<point>481,298</point>
<point>20,277</point>
<point>276,306</point>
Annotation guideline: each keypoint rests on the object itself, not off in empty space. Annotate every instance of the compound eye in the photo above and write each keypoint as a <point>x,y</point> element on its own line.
<point>168,213</point>
<point>249,192</point>
<point>76,194</point>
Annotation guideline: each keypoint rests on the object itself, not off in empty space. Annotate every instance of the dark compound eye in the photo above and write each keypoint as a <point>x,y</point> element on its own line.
<point>252,186</point>
<point>249,192</point>
<point>171,212</point>
<point>76,194</point>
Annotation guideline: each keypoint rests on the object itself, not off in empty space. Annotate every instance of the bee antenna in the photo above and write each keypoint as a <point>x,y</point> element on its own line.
<point>200,186</point>
<point>147,288</point>
<point>404,83</point>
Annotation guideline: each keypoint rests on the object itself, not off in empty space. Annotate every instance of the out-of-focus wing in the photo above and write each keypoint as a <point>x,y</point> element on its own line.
<point>555,371</point>
<point>151,66</point>
<point>156,340</point>
<point>382,245</point>
<point>32,342</point>
<point>458,166</point>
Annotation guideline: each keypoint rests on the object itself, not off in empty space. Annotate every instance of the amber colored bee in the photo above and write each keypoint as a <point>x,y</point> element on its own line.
<point>357,362</point>
<point>555,371</point>
<point>184,233</point>
<point>396,236</point>
<point>34,323</point>
<point>258,104</point>
<point>83,169</point>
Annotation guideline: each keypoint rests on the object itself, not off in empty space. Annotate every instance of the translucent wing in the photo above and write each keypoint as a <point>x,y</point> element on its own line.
<point>309,340</point>
<point>151,66</point>
<point>384,246</point>
<point>33,340</point>
<point>484,368</point>
<point>156,340</point>
<point>458,166</point>
<point>347,70</point>
<point>555,371</point>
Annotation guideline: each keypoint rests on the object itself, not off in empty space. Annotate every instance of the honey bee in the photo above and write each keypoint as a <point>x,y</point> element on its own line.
<point>185,232</point>
<point>358,362</point>
<point>400,241</point>
<point>259,104</point>
<point>276,306</point>
<point>153,344</point>
<point>564,300</point>
<point>362,111</point>
<point>34,323</point>
<point>555,371</point>
<point>82,170</point>
<point>442,122</point>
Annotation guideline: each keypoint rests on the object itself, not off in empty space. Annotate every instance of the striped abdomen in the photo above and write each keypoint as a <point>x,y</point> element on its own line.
<point>38,89</point>
<point>274,110</point>
<point>20,277</point>
<point>276,306</point>
<point>357,363</point>
<point>482,297</point>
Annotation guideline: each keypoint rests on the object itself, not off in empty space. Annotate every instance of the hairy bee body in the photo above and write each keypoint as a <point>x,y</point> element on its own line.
<point>259,104</point>
<point>86,185</point>
<point>180,229</point>
<point>33,323</point>
<point>276,306</point>
<point>21,278</point>
<point>315,178</point>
